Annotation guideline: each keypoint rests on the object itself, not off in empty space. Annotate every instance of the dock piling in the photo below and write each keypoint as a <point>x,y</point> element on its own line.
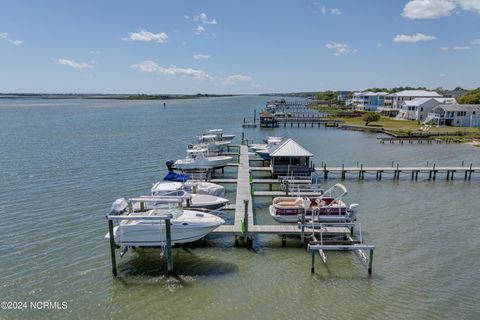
<point>370,262</point>
<point>168,248</point>
<point>112,247</point>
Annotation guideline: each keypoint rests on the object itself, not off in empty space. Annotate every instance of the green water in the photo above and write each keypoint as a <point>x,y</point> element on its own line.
<point>63,162</point>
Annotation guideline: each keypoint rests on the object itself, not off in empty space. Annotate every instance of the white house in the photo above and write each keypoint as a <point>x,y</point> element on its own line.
<point>419,108</point>
<point>457,115</point>
<point>393,102</point>
<point>368,100</point>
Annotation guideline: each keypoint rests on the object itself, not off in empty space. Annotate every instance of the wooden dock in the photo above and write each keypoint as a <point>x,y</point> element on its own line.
<point>396,171</point>
<point>243,201</point>
<point>243,207</point>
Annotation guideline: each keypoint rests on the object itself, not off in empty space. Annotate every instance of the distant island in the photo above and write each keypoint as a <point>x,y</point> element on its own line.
<point>110,96</point>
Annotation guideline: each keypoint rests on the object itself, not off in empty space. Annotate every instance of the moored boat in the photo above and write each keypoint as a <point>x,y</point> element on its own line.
<point>201,160</point>
<point>186,225</point>
<point>325,208</point>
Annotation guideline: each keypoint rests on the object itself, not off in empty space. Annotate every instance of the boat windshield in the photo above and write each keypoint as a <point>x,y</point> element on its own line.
<point>175,209</point>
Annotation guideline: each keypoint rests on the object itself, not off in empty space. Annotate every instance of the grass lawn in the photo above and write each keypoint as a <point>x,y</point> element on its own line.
<point>407,126</point>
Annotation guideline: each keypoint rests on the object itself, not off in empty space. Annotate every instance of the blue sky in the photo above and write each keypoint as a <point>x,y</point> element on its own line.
<point>237,46</point>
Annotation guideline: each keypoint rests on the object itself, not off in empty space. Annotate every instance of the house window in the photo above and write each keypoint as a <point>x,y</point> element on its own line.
<point>421,109</point>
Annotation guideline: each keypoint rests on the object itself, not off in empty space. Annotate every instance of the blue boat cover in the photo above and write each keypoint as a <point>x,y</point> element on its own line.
<point>179,177</point>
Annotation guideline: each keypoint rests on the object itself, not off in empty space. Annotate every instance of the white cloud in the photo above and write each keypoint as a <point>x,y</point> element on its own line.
<point>432,9</point>
<point>324,10</point>
<point>340,48</point>
<point>412,38</point>
<point>470,5</point>
<point>456,48</point>
<point>200,30</point>
<point>336,12</point>
<point>6,36</point>
<point>147,36</point>
<point>74,64</point>
<point>150,66</point>
<point>236,78</point>
<point>428,9</point>
<point>186,17</point>
<point>379,45</point>
<point>203,18</point>
<point>475,42</point>
<point>199,56</point>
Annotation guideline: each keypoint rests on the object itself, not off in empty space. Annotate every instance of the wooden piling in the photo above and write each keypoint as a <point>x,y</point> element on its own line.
<point>168,247</point>
<point>370,262</point>
<point>112,247</point>
<point>312,269</point>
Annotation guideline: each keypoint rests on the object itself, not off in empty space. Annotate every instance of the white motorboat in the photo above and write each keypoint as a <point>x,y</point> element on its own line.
<point>273,140</point>
<point>325,208</point>
<point>186,225</point>
<point>219,133</point>
<point>257,146</point>
<point>191,186</point>
<point>194,201</point>
<point>264,152</point>
<point>201,160</point>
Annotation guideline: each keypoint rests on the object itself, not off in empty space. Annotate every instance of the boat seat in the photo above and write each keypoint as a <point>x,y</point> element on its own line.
<point>286,203</point>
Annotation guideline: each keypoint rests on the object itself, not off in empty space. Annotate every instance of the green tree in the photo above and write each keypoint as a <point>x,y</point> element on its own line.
<point>370,117</point>
<point>472,97</point>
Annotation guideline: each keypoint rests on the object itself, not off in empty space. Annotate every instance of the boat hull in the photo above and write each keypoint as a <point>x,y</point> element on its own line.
<point>207,163</point>
<point>190,227</point>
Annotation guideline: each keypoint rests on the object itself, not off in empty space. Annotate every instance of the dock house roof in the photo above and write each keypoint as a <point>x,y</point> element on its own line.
<point>290,148</point>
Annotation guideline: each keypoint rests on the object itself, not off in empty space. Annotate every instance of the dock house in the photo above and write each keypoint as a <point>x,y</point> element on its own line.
<point>289,158</point>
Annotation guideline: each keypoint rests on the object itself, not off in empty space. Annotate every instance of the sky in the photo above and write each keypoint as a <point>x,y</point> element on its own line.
<point>203,46</point>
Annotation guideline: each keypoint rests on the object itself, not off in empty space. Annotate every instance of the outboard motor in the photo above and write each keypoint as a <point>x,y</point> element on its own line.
<point>169,164</point>
<point>119,206</point>
<point>353,211</point>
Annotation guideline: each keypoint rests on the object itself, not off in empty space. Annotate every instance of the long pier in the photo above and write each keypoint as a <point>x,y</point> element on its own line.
<point>413,172</point>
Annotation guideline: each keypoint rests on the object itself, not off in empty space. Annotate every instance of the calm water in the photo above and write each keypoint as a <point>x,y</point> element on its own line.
<point>63,162</point>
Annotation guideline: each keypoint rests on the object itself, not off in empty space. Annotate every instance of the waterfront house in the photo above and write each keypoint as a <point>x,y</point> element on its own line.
<point>290,158</point>
<point>368,100</point>
<point>393,102</point>
<point>457,115</point>
<point>419,108</point>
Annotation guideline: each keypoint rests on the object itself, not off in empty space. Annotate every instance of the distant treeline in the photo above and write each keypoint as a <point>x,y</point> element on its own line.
<point>112,96</point>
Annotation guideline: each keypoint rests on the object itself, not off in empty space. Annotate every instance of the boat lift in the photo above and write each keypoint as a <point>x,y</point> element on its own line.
<point>319,246</point>
<point>115,215</point>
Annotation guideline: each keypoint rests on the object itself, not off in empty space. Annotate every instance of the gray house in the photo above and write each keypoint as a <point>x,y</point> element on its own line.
<point>457,115</point>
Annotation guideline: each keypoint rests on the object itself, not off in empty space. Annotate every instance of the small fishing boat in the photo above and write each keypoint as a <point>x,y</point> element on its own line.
<point>257,146</point>
<point>193,201</point>
<point>186,225</point>
<point>201,160</point>
<point>219,133</point>
<point>217,136</point>
<point>272,142</point>
<point>180,181</point>
<point>325,208</point>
